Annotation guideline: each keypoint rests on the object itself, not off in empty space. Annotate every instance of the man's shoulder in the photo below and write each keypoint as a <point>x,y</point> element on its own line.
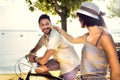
<point>55,32</point>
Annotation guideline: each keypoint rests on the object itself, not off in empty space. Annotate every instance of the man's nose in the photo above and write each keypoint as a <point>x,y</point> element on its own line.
<point>46,26</point>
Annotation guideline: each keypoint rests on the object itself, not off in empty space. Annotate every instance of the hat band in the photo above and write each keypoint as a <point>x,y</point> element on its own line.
<point>89,10</point>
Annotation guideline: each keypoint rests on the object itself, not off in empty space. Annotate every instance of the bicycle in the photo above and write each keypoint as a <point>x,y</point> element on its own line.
<point>24,62</point>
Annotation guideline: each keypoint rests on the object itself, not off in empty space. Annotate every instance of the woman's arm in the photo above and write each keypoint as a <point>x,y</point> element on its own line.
<point>77,40</point>
<point>110,49</point>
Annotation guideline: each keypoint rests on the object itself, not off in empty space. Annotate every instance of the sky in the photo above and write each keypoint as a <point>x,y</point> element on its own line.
<point>14,14</point>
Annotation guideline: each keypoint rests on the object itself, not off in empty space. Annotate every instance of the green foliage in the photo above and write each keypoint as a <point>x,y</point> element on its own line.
<point>114,11</point>
<point>63,8</point>
<point>55,6</point>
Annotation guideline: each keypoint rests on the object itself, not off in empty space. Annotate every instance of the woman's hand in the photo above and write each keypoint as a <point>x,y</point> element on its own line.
<point>57,28</point>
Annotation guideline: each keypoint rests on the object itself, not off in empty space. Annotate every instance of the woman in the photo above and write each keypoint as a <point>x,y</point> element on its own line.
<point>99,50</point>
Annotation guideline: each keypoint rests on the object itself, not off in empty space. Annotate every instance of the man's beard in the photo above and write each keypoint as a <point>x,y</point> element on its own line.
<point>48,32</point>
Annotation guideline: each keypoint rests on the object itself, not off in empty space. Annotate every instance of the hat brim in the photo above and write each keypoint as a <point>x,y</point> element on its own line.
<point>87,13</point>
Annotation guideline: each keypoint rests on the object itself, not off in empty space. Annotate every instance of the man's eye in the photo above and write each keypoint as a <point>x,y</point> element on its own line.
<point>42,25</point>
<point>47,23</point>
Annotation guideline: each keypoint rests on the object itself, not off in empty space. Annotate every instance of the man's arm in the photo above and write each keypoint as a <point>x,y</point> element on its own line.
<point>32,53</point>
<point>38,46</point>
<point>35,49</point>
<point>52,45</point>
<point>43,60</point>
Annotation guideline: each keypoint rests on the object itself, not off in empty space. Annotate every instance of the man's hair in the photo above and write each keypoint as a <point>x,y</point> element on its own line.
<point>44,16</point>
<point>89,21</point>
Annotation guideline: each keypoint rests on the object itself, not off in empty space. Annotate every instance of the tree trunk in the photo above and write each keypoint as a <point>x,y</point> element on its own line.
<point>64,22</point>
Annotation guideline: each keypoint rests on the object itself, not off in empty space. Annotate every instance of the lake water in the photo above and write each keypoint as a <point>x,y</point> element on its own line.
<point>15,44</point>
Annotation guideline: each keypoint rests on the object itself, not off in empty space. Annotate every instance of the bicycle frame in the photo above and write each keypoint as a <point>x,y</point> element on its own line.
<point>46,75</point>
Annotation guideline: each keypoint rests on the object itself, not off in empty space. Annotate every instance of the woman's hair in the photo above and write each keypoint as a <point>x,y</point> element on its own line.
<point>89,21</point>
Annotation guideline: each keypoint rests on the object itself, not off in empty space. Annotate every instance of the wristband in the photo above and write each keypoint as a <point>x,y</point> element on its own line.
<point>34,58</point>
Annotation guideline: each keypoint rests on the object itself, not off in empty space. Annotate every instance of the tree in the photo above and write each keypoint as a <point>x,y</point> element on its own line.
<point>63,8</point>
<point>114,8</point>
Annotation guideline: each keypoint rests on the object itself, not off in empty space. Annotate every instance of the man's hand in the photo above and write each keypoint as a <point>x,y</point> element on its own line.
<point>41,69</point>
<point>39,60</point>
<point>31,57</point>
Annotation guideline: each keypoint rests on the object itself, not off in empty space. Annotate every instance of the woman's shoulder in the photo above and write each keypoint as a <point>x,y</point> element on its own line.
<point>106,35</point>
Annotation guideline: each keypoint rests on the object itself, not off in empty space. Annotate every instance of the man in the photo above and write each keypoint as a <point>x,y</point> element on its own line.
<point>63,53</point>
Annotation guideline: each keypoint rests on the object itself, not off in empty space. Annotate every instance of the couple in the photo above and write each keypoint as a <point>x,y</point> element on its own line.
<point>98,51</point>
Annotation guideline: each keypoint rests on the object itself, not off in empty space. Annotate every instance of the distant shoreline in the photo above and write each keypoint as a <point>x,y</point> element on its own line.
<point>6,30</point>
